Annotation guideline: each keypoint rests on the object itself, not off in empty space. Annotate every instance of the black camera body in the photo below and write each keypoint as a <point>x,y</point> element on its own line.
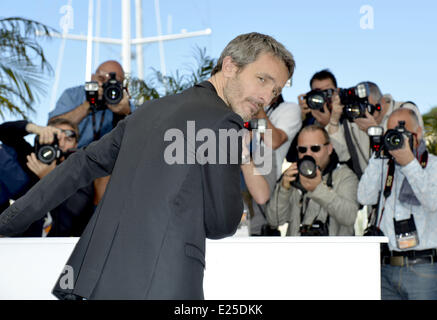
<point>47,153</point>
<point>112,90</point>
<point>393,139</point>
<point>318,228</point>
<point>112,93</point>
<point>317,98</point>
<point>355,101</point>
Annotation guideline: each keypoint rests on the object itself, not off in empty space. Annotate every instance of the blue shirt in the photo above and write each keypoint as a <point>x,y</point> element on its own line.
<point>72,98</point>
<point>424,185</point>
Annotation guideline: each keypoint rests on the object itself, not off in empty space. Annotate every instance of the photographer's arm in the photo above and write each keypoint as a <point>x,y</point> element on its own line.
<point>370,183</point>
<point>340,202</point>
<point>79,170</point>
<point>77,114</point>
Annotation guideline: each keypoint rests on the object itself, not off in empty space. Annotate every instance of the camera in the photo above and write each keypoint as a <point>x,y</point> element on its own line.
<point>47,153</point>
<point>355,101</point>
<point>317,228</point>
<point>112,92</point>
<point>317,98</point>
<point>256,124</point>
<point>393,139</point>
<point>307,167</point>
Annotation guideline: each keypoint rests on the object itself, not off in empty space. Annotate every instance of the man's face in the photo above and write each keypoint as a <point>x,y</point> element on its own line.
<point>410,125</point>
<point>317,141</point>
<point>67,142</point>
<point>255,85</point>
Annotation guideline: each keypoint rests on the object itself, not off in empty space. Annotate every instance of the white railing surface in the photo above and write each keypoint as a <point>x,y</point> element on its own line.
<point>237,268</point>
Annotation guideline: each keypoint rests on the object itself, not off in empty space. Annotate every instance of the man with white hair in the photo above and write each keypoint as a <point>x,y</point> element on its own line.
<point>405,186</point>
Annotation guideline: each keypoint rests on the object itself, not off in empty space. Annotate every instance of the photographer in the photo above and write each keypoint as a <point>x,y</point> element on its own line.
<point>94,122</point>
<point>405,186</point>
<point>349,134</point>
<point>321,82</point>
<point>53,144</point>
<point>319,198</point>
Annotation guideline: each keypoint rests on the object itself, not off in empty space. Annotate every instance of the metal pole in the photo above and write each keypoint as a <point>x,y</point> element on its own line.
<point>89,44</point>
<point>126,36</point>
<point>139,34</point>
<point>161,44</point>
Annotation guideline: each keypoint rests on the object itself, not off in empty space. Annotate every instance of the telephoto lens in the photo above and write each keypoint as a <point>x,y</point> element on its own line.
<point>317,98</point>
<point>307,167</point>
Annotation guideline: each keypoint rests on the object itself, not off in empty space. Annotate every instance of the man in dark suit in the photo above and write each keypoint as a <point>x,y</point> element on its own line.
<point>146,239</point>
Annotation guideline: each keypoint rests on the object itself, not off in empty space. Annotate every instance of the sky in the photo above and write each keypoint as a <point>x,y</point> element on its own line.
<point>392,43</point>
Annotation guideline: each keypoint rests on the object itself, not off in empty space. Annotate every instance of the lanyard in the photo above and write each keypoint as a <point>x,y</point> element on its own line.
<point>96,133</point>
<point>390,177</point>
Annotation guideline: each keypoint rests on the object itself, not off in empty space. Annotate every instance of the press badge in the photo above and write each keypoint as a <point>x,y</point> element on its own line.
<point>406,233</point>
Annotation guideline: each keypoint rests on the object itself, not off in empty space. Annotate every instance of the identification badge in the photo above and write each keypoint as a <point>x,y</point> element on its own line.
<point>406,233</point>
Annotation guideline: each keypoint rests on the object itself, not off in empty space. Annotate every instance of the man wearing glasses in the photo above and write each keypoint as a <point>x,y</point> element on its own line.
<point>70,217</point>
<point>73,105</point>
<point>328,198</point>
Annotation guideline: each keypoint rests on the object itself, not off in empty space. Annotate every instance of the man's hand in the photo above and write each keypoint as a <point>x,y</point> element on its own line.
<point>365,123</point>
<point>311,184</point>
<point>322,117</point>
<point>46,134</point>
<point>337,109</point>
<point>289,176</point>
<point>304,109</point>
<point>404,155</point>
<point>39,168</point>
<point>123,107</point>
<point>261,114</point>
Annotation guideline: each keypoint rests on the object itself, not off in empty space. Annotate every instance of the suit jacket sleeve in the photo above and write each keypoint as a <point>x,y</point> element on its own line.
<point>78,171</point>
<point>223,205</point>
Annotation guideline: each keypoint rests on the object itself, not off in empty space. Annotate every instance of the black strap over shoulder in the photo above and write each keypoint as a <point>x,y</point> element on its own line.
<point>352,151</point>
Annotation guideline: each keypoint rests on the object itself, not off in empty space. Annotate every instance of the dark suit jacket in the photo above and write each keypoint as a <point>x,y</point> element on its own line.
<point>146,239</point>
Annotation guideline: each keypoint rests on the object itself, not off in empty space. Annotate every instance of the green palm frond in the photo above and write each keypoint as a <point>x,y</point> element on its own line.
<point>430,122</point>
<point>23,64</point>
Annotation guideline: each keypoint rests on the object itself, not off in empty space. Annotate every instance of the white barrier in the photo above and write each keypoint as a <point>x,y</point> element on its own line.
<point>236,268</point>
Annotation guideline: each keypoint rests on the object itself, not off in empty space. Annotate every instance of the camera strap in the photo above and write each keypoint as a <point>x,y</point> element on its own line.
<point>352,151</point>
<point>96,133</point>
<point>390,177</point>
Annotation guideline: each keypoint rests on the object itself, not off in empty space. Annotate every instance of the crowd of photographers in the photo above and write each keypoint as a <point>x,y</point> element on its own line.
<point>347,151</point>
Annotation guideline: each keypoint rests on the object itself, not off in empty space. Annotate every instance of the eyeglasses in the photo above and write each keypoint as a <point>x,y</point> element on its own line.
<point>314,148</point>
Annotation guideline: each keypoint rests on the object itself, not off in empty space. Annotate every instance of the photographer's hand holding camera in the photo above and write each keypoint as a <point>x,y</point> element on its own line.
<point>98,106</point>
<point>402,179</point>
<point>316,195</point>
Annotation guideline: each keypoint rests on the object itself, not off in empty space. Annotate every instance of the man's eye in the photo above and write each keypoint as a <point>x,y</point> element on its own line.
<point>261,79</point>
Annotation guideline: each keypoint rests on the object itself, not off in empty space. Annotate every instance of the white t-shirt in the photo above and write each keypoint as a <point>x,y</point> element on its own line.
<point>287,117</point>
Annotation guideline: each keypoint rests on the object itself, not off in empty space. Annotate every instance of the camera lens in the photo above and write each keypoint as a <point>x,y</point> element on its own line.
<point>307,167</point>
<point>393,140</point>
<point>112,94</point>
<point>315,100</point>
<point>46,154</point>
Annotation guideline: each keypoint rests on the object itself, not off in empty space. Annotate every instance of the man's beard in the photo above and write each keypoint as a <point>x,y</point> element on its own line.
<point>232,93</point>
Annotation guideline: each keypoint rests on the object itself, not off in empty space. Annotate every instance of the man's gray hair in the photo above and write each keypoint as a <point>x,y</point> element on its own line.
<point>246,48</point>
<point>374,90</point>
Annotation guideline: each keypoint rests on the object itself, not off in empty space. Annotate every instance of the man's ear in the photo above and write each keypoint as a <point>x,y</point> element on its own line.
<point>330,148</point>
<point>229,68</point>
